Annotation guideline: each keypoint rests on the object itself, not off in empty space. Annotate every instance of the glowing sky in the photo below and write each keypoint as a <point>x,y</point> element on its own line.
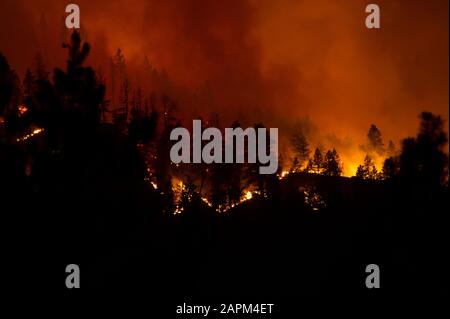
<point>271,61</point>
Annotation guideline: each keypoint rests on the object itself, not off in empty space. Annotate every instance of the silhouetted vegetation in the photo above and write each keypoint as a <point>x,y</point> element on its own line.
<point>76,187</point>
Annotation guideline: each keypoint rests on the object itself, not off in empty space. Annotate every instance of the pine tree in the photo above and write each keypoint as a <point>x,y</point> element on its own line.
<point>361,172</point>
<point>119,78</point>
<point>367,170</point>
<point>301,149</point>
<point>423,159</point>
<point>375,141</point>
<point>81,93</point>
<point>315,165</point>
<point>331,164</point>
<point>6,86</point>
<point>296,167</point>
<point>390,168</point>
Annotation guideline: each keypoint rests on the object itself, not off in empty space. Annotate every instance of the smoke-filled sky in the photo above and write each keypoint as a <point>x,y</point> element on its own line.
<point>262,60</point>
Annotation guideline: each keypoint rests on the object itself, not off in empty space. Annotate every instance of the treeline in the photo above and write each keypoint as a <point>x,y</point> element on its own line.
<point>57,128</point>
<point>421,159</point>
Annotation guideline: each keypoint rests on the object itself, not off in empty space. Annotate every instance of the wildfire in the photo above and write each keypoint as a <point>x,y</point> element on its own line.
<point>178,187</point>
<point>178,210</point>
<point>207,201</point>
<point>22,109</point>
<point>351,165</point>
<point>26,137</point>
<point>312,198</point>
<point>283,174</point>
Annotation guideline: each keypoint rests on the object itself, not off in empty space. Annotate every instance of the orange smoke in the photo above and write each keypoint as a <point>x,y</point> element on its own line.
<point>262,61</point>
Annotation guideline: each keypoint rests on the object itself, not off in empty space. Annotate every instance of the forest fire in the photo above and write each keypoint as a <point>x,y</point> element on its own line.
<point>182,196</point>
<point>283,174</point>
<point>318,145</point>
<point>22,109</point>
<point>30,135</point>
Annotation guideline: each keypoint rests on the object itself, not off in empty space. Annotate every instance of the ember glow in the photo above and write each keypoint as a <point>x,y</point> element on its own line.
<point>30,135</point>
<point>309,65</point>
<point>275,150</point>
<point>274,62</point>
<point>22,109</point>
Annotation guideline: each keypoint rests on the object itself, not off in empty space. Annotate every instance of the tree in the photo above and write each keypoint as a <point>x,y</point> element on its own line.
<point>390,168</point>
<point>119,79</point>
<point>188,194</point>
<point>367,170</point>
<point>422,159</point>
<point>218,192</point>
<point>301,150</point>
<point>10,96</point>
<point>374,141</point>
<point>315,165</point>
<point>234,172</point>
<point>296,166</point>
<point>361,172</point>
<point>81,93</point>
<point>6,83</point>
<point>332,164</point>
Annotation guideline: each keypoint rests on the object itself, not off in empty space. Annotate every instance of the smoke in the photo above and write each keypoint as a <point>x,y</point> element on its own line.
<point>275,62</point>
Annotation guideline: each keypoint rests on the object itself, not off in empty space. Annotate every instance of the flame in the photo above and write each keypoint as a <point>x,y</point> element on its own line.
<point>22,109</point>
<point>283,174</point>
<point>26,137</point>
<point>178,210</point>
<point>207,201</point>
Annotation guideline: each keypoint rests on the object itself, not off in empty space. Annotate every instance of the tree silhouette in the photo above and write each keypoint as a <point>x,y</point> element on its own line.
<point>296,166</point>
<point>233,172</point>
<point>315,165</point>
<point>301,151</point>
<point>188,194</point>
<point>390,168</point>
<point>252,169</point>
<point>80,92</point>
<point>422,159</point>
<point>374,141</point>
<point>6,83</point>
<point>332,164</point>
<point>218,193</point>
<point>10,96</point>
<point>367,170</point>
